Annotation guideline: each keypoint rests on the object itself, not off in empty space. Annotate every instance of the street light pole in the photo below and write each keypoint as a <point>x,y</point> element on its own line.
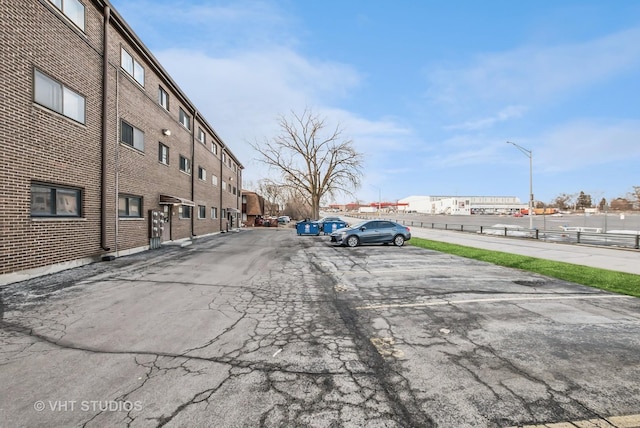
<point>529,154</point>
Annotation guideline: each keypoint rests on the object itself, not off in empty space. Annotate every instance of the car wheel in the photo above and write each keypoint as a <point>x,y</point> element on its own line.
<point>353,241</point>
<point>398,241</point>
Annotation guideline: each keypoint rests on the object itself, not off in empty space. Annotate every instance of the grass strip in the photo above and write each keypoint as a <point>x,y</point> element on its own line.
<point>617,282</point>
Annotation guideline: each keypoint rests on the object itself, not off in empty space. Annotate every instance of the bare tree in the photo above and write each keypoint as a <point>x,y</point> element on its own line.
<point>634,196</point>
<point>562,201</point>
<point>315,161</point>
<point>621,204</point>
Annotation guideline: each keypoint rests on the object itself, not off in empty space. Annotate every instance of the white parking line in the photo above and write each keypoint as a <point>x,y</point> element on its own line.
<point>499,299</point>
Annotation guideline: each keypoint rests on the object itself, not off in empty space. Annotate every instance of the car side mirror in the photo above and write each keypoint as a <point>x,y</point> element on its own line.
<point>363,228</point>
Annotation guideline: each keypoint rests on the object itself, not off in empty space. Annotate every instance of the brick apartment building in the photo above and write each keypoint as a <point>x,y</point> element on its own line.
<point>95,135</point>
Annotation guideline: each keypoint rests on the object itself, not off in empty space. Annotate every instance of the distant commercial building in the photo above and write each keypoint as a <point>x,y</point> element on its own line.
<point>102,155</point>
<point>462,205</point>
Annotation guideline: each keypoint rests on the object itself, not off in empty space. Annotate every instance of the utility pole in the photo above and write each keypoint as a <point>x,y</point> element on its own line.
<point>529,154</point>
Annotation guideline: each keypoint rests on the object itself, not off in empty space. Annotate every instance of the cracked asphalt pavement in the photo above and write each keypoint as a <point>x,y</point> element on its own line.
<point>264,328</point>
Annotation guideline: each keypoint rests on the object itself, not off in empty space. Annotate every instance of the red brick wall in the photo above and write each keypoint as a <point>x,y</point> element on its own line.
<point>41,145</point>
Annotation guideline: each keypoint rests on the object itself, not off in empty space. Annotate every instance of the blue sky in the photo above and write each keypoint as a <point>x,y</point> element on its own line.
<point>429,91</point>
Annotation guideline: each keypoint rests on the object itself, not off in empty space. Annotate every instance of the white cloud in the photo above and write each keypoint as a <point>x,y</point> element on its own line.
<point>587,144</point>
<point>505,114</point>
<point>534,73</point>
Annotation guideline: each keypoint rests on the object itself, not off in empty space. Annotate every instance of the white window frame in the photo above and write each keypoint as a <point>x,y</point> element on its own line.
<point>202,137</point>
<point>186,163</point>
<point>214,213</point>
<point>202,212</point>
<point>202,173</point>
<point>163,153</point>
<point>131,66</point>
<point>73,10</point>
<point>163,98</point>
<point>214,180</point>
<point>137,135</point>
<point>185,119</point>
<point>55,96</point>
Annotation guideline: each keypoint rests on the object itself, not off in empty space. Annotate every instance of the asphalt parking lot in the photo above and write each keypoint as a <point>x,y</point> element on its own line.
<point>267,328</point>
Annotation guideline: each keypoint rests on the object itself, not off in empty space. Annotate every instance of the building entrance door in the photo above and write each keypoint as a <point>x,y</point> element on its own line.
<point>166,232</point>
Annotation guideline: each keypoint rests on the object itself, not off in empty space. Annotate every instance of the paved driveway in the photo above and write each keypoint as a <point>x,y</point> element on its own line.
<point>267,328</point>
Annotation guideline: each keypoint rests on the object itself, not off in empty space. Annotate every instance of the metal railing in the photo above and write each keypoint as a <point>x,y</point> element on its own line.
<point>569,236</point>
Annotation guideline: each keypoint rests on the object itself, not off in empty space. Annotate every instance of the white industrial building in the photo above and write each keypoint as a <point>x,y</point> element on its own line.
<point>461,205</point>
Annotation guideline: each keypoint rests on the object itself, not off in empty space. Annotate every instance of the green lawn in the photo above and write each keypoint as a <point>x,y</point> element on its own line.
<point>617,282</point>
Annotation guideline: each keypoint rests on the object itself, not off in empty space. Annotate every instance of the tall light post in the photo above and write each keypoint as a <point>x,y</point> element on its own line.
<point>529,154</point>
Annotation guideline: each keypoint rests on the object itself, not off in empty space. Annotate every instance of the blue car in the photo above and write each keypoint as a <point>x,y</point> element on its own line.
<point>372,232</point>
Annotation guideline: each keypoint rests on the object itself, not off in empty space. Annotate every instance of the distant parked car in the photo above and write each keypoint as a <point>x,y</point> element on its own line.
<point>372,232</point>
<point>284,219</point>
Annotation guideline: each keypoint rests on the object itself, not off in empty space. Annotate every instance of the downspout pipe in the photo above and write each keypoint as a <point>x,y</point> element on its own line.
<point>193,172</point>
<point>105,93</point>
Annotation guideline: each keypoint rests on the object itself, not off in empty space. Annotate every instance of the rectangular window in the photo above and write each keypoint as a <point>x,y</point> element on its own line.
<point>185,119</point>
<point>185,165</point>
<point>202,211</point>
<point>73,9</point>
<point>163,154</point>
<point>129,206</point>
<point>201,136</point>
<point>185,211</point>
<point>214,180</point>
<point>214,148</point>
<point>163,98</point>
<point>214,212</point>
<point>224,157</point>
<point>55,201</point>
<point>131,66</point>
<point>224,185</point>
<point>57,97</point>
<point>131,136</point>
<point>202,173</point>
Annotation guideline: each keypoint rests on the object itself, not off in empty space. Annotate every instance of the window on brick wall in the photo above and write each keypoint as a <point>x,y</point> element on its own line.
<point>202,137</point>
<point>129,206</point>
<point>131,66</point>
<point>163,154</point>
<point>214,212</point>
<point>185,165</point>
<point>185,119</point>
<point>214,148</point>
<point>214,180</point>
<point>185,211</point>
<point>55,96</point>
<point>202,173</point>
<point>72,9</point>
<point>131,136</point>
<point>202,211</point>
<point>163,98</point>
<point>55,201</point>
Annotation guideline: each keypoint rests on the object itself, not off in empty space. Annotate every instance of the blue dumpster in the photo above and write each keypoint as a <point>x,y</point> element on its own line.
<point>329,227</point>
<point>308,228</point>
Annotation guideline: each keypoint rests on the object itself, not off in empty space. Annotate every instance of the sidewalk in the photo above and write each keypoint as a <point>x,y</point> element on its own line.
<point>621,260</point>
